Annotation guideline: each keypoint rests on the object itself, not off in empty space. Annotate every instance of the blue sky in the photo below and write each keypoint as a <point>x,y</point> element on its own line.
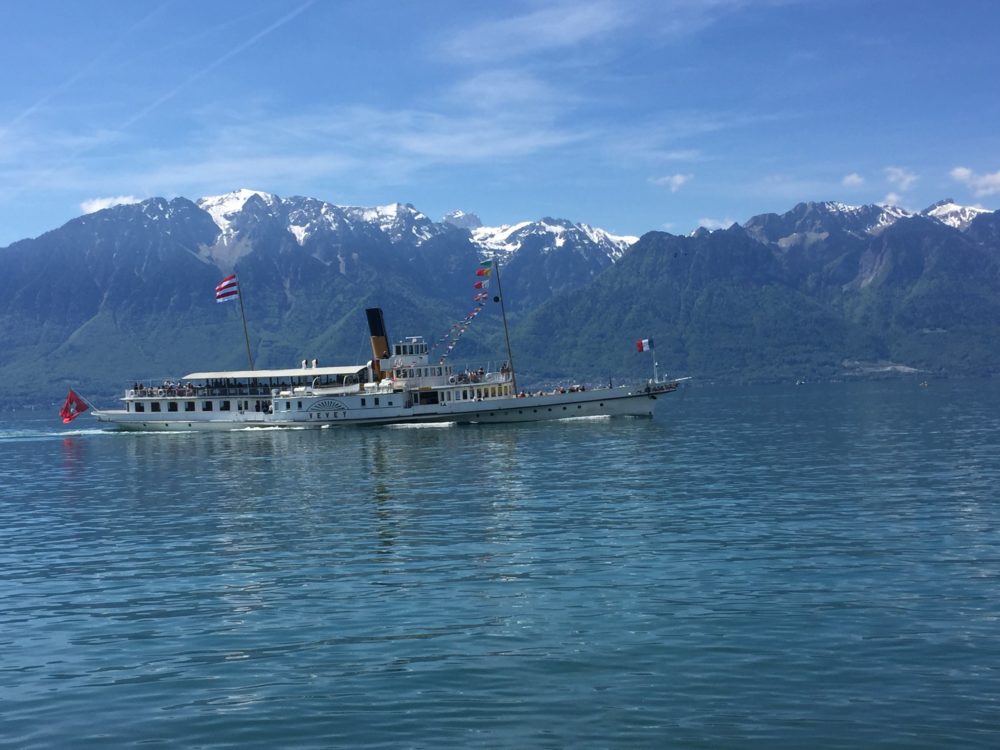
<point>630,115</point>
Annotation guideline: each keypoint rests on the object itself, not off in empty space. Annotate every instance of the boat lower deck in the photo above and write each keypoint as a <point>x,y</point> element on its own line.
<point>321,412</point>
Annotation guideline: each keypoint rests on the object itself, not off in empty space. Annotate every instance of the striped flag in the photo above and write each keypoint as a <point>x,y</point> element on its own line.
<point>484,271</point>
<point>227,289</point>
<point>482,284</point>
<point>486,264</point>
<point>644,345</point>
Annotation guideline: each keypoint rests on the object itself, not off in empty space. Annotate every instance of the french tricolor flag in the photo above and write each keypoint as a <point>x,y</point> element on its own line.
<point>227,289</point>
<point>644,345</point>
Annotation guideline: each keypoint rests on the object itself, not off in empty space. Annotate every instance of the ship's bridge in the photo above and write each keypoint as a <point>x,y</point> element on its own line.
<point>410,364</point>
<point>409,352</point>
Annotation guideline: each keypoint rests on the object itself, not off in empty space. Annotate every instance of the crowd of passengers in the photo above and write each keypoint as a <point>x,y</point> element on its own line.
<point>168,388</point>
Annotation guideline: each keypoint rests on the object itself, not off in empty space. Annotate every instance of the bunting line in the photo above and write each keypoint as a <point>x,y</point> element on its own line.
<point>450,338</point>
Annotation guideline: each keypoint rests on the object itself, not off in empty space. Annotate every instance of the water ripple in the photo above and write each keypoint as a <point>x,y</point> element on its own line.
<point>813,566</point>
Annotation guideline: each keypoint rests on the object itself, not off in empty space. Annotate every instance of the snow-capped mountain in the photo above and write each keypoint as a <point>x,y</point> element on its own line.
<point>550,235</point>
<point>462,220</point>
<point>307,218</point>
<point>954,215</point>
<point>320,226</point>
<point>810,221</point>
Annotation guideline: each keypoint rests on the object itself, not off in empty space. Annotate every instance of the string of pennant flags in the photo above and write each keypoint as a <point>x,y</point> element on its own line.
<point>450,338</point>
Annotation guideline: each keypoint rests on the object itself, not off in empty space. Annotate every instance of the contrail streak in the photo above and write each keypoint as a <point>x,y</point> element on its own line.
<point>213,65</point>
<point>82,72</point>
<point>72,157</point>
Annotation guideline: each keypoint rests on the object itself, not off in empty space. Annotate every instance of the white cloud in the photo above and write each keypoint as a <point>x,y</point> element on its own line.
<point>716,223</point>
<point>99,204</point>
<point>853,180</point>
<point>557,26</point>
<point>673,181</point>
<point>900,178</point>
<point>979,184</point>
<point>561,25</point>
<point>498,89</point>
<point>892,199</point>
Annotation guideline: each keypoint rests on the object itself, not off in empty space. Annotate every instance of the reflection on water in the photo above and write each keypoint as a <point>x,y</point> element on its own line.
<point>798,567</point>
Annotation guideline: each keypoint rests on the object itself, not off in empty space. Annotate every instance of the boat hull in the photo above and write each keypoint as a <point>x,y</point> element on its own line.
<point>619,402</point>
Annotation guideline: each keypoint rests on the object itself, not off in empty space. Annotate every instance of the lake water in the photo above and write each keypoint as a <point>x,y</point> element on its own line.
<point>812,566</point>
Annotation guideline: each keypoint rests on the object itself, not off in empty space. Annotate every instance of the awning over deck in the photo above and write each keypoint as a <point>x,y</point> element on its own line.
<point>307,373</point>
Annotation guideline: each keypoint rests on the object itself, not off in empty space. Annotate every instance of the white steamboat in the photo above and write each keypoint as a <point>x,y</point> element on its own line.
<point>401,385</point>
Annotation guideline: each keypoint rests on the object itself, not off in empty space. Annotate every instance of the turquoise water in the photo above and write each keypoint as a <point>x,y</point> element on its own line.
<point>813,566</point>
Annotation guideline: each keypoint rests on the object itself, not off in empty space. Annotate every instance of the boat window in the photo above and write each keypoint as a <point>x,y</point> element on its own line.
<point>171,406</point>
<point>376,401</point>
<point>206,406</point>
<point>300,405</point>
<point>362,402</point>
<point>224,406</point>
<point>139,406</point>
<point>155,406</point>
<point>189,406</point>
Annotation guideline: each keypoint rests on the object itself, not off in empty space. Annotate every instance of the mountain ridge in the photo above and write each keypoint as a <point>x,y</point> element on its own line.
<point>824,290</point>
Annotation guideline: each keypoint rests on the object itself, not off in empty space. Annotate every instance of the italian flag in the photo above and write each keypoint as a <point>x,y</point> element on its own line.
<point>644,345</point>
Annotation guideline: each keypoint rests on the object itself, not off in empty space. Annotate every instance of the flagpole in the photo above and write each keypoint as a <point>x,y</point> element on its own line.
<point>246,336</point>
<point>506,333</point>
<point>85,400</point>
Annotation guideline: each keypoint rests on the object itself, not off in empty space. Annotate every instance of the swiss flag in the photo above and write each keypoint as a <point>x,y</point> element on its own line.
<point>73,408</point>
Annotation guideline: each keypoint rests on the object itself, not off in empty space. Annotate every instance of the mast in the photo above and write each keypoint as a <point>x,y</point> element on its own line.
<point>506,333</point>
<point>246,336</point>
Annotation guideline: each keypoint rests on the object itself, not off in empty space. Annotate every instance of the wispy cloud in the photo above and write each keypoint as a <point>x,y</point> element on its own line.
<point>714,224</point>
<point>852,180</point>
<point>560,25</point>
<point>900,178</point>
<point>673,181</point>
<point>552,27</point>
<point>98,204</point>
<point>980,184</point>
<point>363,146</point>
